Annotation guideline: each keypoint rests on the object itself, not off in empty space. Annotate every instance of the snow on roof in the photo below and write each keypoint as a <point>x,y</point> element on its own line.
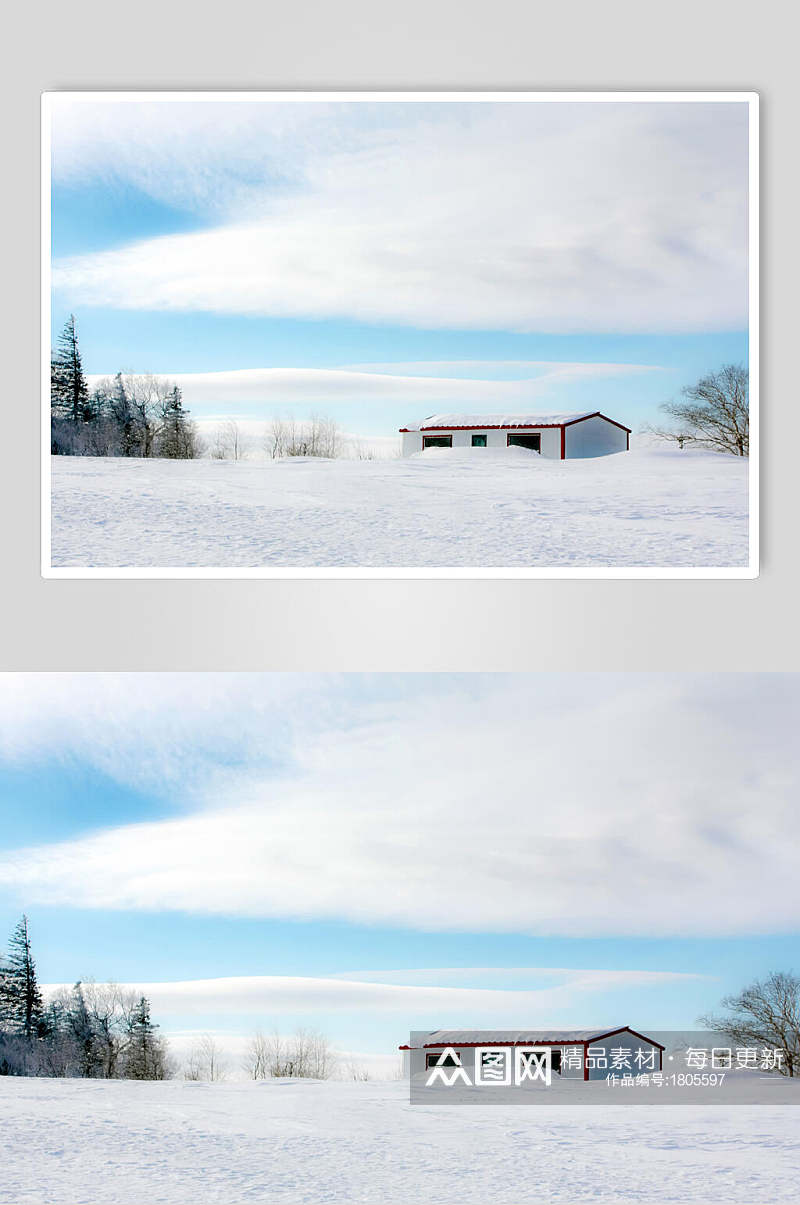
<point>456,421</point>
<point>516,1037</point>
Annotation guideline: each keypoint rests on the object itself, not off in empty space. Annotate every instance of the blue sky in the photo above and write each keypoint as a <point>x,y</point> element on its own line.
<point>370,854</point>
<point>466,243</point>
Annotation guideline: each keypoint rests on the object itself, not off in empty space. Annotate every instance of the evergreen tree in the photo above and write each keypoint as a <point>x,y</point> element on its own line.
<point>22,1000</point>
<point>121,410</point>
<point>69,391</point>
<point>144,1055</point>
<point>177,434</point>
<point>82,1032</point>
<point>5,995</point>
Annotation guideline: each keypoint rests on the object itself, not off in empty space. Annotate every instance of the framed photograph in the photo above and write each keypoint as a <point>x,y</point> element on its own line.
<point>290,938</point>
<point>414,334</point>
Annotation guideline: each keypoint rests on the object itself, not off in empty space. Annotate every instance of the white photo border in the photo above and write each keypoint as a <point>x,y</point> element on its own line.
<point>751,570</point>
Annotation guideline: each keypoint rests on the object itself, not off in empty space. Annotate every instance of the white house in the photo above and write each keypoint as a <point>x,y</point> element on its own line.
<point>585,1054</point>
<point>556,436</point>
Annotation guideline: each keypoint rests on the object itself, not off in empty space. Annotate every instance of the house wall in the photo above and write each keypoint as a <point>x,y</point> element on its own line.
<point>412,442</point>
<point>594,437</point>
<point>550,437</point>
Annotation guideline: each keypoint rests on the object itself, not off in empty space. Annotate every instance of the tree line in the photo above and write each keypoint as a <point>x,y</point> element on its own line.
<point>282,438</point>
<point>305,1054</point>
<point>125,415</point>
<point>102,1031</point>
<point>91,1031</point>
<point>143,415</point>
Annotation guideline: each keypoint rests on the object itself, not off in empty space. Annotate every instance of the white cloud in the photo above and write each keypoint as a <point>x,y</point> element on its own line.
<point>276,995</point>
<point>287,386</point>
<point>170,733</point>
<point>588,980</point>
<point>549,217</point>
<point>208,157</point>
<point>574,804</point>
<point>535,371</point>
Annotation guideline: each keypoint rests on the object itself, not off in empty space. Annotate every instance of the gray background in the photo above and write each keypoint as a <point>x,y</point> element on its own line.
<point>350,625</point>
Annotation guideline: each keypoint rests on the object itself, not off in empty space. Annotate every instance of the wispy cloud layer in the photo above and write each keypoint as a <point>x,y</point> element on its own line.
<point>547,217</point>
<point>286,386</point>
<point>274,995</point>
<point>566,805</point>
<point>514,977</point>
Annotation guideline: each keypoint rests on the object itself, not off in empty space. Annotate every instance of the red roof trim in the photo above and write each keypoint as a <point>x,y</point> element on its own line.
<point>551,1041</point>
<point>498,426</point>
<point>635,1032</point>
<point>517,426</point>
<point>597,414</point>
<point>527,1042</point>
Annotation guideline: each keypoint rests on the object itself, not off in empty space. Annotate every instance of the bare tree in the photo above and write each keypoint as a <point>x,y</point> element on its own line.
<point>280,1063</point>
<point>314,1054</point>
<point>294,441</point>
<point>275,438</point>
<point>205,1061</point>
<point>214,1061</point>
<point>256,1060</point>
<point>714,413</point>
<point>325,438</point>
<point>227,441</point>
<point>357,1071</point>
<point>217,447</point>
<point>358,450</point>
<point>145,394</point>
<point>233,435</point>
<point>316,436</point>
<point>767,1013</point>
<point>305,1055</point>
<point>192,1068</point>
<point>109,1009</point>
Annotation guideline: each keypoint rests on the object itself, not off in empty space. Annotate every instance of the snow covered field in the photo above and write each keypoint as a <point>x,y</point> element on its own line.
<point>285,1141</point>
<point>440,509</point>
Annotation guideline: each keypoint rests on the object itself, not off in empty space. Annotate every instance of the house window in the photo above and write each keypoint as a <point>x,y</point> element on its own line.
<point>437,441</point>
<point>479,441</point>
<point>534,442</point>
<point>432,1060</point>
